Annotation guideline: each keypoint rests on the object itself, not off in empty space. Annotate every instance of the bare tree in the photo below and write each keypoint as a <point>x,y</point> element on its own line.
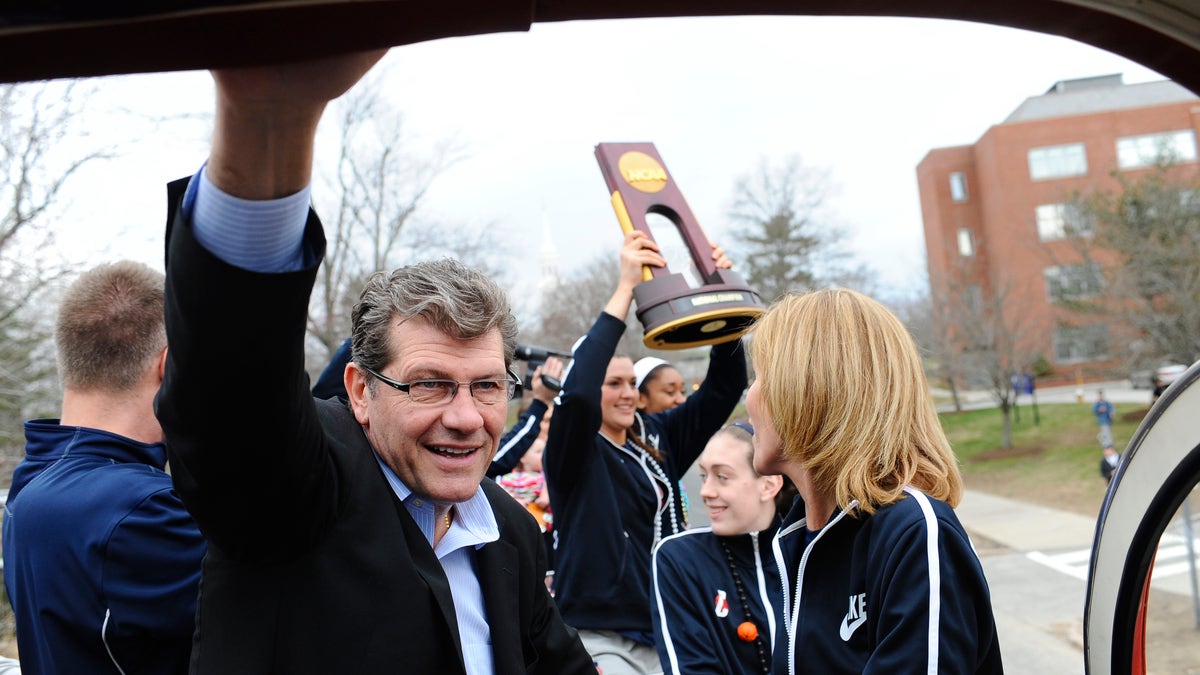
<point>1143,243</point>
<point>784,238</point>
<point>379,183</point>
<point>572,307</point>
<point>933,338</point>
<point>40,151</point>
<point>985,338</point>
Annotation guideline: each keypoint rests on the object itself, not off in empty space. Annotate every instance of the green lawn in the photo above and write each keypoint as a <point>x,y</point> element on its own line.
<point>1054,462</point>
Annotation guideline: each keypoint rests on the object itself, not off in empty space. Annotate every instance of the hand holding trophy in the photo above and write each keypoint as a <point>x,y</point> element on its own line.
<point>676,312</point>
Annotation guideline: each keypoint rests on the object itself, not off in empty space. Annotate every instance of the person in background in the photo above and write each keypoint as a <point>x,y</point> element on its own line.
<point>332,380</point>
<point>527,485</point>
<point>1109,463</point>
<point>101,560</point>
<point>1104,412</point>
<point>613,475</point>
<point>1159,388</point>
<point>880,576</point>
<point>353,536</point>
<point>718,599</point>
<point>531,424</point>
<point>660,385</point>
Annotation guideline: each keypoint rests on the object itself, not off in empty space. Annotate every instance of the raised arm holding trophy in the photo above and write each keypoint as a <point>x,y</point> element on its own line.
<point>674,314</point>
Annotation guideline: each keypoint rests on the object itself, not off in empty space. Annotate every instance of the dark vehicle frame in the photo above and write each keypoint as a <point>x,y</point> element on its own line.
<point>43,39</point>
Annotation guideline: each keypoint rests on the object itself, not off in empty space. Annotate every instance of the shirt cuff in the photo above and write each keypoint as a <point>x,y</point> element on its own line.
<point>259,236</point>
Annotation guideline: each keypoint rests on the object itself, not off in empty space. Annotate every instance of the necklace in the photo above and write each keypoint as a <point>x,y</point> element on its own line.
<point>655,474</point>
<point>447,519</point>
<point>747,630</point>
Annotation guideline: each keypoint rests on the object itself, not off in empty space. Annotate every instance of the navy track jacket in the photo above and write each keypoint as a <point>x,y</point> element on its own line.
<point>697,609</point>
<point>899,591</point>
<point>101,560</point>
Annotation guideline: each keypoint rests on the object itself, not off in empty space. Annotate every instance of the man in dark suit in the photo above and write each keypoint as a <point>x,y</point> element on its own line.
<point>343,537</point>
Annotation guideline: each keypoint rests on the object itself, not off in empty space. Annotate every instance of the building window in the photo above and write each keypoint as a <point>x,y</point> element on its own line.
<point>966,242</point>
<point>958,186</point>
<point>1174,146</point>
<point>1058,221</point>
<point>1067,283</point>
<point>1080,343</point>
<point>1057,161</point>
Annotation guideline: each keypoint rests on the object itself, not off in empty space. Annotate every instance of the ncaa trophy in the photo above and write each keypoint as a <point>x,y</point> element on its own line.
<point>716,305</point>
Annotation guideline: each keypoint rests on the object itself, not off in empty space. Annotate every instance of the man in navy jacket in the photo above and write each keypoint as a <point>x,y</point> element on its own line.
<point>101,561</point>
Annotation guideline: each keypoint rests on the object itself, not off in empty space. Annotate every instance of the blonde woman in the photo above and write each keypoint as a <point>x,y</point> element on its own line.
<point>879,575</point>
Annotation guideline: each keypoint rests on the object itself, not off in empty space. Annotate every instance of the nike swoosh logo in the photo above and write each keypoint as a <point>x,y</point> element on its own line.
<point>848,629</point>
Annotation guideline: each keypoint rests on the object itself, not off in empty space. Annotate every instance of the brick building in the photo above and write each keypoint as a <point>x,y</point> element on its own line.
<point>994,212</point>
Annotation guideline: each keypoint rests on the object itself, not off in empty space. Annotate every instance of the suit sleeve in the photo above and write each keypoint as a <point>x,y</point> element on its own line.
<point>682,628</point>
<point>553,647</point>
<point>260,456</point>
<point>558,645</point>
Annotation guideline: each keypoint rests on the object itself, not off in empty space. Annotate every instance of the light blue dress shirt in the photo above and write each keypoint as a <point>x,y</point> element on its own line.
<point>266,237</point>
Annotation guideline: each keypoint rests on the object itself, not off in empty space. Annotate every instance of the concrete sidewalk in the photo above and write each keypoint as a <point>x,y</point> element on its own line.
<point>1022,526</point>
<point>1118,392</point>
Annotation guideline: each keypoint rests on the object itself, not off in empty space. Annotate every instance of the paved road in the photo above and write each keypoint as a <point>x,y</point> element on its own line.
<point>1035,559</point>
<point>1118,392</point>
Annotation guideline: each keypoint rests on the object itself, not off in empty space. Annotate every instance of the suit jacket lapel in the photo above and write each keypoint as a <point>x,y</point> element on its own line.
<point>501,600</point>
<point>430,568</point>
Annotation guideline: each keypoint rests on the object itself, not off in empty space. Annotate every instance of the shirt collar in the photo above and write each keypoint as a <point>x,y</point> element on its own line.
<point>474,518</point>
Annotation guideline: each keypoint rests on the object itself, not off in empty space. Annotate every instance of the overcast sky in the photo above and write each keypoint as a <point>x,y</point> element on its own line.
<point>863,98</point>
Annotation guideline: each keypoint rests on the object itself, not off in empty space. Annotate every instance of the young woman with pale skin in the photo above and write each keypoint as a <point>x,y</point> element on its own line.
<point>614,473</point>
<point>718,600</point>
<point>879,575</point>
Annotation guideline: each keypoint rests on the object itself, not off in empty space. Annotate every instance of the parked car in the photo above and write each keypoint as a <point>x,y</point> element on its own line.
<point>1142,379</point>
<point>1169,373</point>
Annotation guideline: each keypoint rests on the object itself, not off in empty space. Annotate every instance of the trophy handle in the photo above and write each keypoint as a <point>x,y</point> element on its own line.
<point>627,226</point>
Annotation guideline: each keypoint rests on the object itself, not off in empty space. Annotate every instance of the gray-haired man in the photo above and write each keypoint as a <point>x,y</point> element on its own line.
<point>343,538</point>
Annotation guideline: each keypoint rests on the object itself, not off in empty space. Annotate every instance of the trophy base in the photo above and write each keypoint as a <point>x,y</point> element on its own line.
<point>676,316</point>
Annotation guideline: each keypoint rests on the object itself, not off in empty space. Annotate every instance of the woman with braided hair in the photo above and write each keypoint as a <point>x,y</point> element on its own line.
<point>613,475</point>
<point>718,599</point>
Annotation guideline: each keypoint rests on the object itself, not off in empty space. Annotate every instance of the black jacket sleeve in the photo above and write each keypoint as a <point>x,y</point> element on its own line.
<point>262,456</point>
<point>517,440</point>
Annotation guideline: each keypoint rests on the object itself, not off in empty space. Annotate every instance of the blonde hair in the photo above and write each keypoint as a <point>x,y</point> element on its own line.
<point>842,381</point>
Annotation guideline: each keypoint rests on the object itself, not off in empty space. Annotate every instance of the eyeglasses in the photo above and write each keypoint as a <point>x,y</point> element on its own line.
<point>436,392</point>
